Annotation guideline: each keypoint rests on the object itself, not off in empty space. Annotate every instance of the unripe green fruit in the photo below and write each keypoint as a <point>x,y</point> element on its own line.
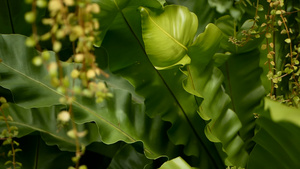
<point>30,42</point>
<point>63,116</point>
<point>45,55</point>
<point>56,46</point>
<point>75,74</point>
<point>90,74</point>
<point>79,57</point>
<point>83,167</point>
<point>41,3</point>
<point>37,61</point>
<point>30,17</point>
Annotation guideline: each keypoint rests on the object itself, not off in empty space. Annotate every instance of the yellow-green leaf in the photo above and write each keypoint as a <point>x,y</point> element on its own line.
<point>167,35</point>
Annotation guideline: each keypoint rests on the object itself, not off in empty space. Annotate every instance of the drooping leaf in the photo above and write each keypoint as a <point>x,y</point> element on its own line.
<point>117,119</point>
<point>134,65</point>
<point>167,34</point>
<point>277,139</point>
<point>204,78</point>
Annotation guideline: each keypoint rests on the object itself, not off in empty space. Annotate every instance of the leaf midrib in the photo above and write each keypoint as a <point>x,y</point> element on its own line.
<point>168,88</point>
<point>165,32</point>
<point>79,105</point>
<point>41,130</point>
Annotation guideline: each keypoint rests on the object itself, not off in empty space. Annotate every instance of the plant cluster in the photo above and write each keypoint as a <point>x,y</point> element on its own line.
<point>71,21</point>
<point>150,84</point>
<point>8,135</point>
<point>282,63</point>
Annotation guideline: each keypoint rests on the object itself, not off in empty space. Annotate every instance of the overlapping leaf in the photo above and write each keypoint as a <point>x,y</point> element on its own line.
<point>206,80</point>
<point>277,139</point>
<point>44,120</point>
<point>134,65</point>
<point>117,118</point>
<point>166,35</point>
<point>242,74</point>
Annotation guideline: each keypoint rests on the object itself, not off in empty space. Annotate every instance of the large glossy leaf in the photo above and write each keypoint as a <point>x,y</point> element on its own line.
<point>242,74</point>
<point>206,80</point>
<point>117,118</point>
<point>167,35</point>
<point>174,78</point>
<point>134,65</point>
<point>277,139</point>
<point>17,68</point>
<point>44,120</point>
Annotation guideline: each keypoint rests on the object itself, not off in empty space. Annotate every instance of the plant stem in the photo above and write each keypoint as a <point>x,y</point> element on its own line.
<point>10,137</point>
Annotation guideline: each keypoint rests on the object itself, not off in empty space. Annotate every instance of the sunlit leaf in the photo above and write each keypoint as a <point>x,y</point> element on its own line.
<point>167,34</point>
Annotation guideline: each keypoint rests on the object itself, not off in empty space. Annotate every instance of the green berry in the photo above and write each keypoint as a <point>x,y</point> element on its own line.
<point>37,61</point>
<point>41,3</point>
<point>45,55</point>
<point>30,17</point>
<point>56,46</point>
<point>30,42</point>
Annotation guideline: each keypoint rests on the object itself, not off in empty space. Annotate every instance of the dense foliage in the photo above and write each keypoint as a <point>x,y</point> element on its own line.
<point>174,84</point>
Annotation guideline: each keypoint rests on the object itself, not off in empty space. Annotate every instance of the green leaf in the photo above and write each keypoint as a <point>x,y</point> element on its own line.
<point>205,79</point>
<point>229,26</point>
<point>44,120</point>
<point>107,15</point>
<point>124,35</point>
<point>13,21</point>
<point>243,85</point>
<point>277,139</point>
<point>36,154</point>
<point>17,68</point>
<point>202,9</point>
<point>168,34</point>
<point>281,113</point>
<point>176,163</point>
<point>117,118</point>
<point>128,158</point>
<point>111,8</point>
<point>5,18</point>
